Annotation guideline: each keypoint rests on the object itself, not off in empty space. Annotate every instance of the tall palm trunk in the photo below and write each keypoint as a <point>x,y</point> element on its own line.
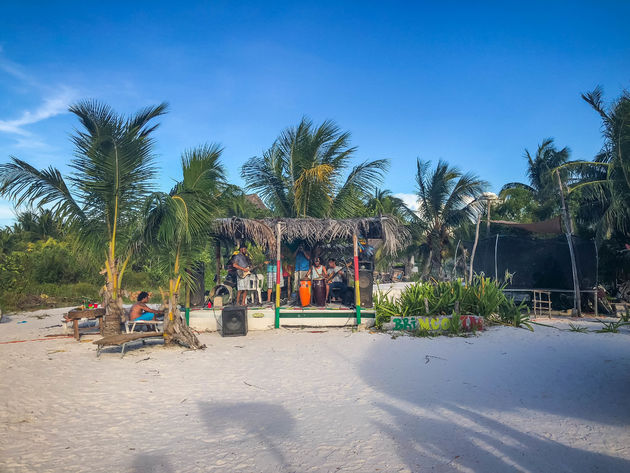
<point>114,312</point>
<point>175,328</point>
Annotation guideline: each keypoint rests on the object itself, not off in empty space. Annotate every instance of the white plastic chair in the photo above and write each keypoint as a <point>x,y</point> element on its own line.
<point>255,285</point>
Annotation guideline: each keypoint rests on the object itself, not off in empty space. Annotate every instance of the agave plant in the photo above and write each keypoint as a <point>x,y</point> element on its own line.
<point>483,296</point>
<point>577,328</point>
<point>611,327</point>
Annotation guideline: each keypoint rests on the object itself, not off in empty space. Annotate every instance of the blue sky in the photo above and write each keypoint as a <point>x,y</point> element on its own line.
<point>471,84</point>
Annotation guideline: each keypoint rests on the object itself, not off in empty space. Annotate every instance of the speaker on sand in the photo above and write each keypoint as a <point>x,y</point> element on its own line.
<point>366,279</point>
<point>233,321</point>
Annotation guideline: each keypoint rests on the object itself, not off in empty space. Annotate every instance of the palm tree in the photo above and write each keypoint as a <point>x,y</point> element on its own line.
<point>112,174</point>
<point>301,175</point>
<point>177,226</point>
<point>446,199</point>
<point>39,225</point>
<point>383,202</point>
<point>542,188</point>
<point>605,181</point>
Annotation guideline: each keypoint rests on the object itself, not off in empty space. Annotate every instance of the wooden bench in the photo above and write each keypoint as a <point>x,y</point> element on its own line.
<point>124,339</point>
<point>77,314</point>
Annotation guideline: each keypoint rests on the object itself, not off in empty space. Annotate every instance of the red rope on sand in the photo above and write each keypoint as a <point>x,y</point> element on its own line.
<point>54,337</point>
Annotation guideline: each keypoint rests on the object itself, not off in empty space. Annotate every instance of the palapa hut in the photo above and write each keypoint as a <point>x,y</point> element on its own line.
<point>271,232</point>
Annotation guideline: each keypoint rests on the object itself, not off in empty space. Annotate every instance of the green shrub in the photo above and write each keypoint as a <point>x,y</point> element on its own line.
<point>52,262</point>
<point>385,308</point>
<point>483,296</point>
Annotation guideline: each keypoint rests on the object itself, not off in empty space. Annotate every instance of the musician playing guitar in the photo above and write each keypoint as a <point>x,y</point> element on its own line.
<point>334,279</point>
<point>242,263</point>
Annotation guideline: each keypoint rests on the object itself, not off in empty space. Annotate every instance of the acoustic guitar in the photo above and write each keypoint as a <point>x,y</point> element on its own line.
<point>242,274</point>
<point>332,276</point>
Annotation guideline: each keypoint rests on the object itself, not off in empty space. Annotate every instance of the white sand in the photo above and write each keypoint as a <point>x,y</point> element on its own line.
<point>296,401</point>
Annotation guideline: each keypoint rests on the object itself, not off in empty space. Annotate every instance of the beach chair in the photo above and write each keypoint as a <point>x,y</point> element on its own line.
<point>130,325</point>
<point>124,339</point>
<point>156,325</point>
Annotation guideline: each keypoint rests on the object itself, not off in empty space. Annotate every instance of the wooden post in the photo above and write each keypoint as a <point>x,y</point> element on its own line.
<point>278,273</point>
<point>472,256</point>
<point>187,299</point>
<point>577,306</point>
<point>217,257</point>
<point>357,291</point>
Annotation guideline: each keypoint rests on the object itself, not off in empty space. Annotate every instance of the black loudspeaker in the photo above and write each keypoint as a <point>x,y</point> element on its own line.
<point>233,321</point>
<point>366,280</point>
<point>366,265</point>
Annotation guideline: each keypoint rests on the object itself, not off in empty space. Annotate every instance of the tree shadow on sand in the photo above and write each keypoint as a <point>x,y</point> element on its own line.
<point>440,416</point>
<point>254,425</point>
<point>151,463</point>
<point>480,443</point>
<point>531,374</point>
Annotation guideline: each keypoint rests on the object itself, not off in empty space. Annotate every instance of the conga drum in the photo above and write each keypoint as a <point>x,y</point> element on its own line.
<point>319,292</point>
<point>305,292</point>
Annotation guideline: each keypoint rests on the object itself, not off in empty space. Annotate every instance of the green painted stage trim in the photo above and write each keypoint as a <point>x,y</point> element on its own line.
<point>323,315</point>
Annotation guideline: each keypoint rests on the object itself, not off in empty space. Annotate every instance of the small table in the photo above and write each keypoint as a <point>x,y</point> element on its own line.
<point>90,314</point>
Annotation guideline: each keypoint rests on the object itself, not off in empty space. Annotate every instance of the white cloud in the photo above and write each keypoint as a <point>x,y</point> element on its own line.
<point>410,200</point>
<point>7,212</point>
<point>51,107</point>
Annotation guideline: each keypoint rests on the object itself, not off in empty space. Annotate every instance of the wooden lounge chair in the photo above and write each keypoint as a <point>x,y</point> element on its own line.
<point>124,339</point>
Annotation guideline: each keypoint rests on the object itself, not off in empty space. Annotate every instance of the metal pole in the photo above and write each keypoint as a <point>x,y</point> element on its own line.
<point>278,274</point>
<point>455,260</point>
<point>496,271</point>
<point>472,256</point>
<point>567,225</point>
<point>596,278</point>
<point>357,291</point>
<point>488,205</point>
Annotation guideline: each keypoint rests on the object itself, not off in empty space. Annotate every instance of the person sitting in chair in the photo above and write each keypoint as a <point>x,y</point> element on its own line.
<point>141,311</point>
<point>334,279</point>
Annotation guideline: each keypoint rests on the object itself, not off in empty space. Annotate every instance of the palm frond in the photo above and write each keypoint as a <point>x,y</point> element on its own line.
<point>24,184</point>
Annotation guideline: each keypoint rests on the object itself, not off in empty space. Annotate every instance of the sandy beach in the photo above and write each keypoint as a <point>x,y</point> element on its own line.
<point>307,400</point>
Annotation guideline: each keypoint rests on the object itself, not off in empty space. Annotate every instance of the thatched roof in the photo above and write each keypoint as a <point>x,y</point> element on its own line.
<point>314,230</point>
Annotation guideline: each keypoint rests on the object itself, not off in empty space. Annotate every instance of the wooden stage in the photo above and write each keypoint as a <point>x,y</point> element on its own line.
<point>264,317</point>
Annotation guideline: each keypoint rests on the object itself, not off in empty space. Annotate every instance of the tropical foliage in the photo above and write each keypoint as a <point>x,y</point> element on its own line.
<point>604,183</point>
<point>482,296</point>
<point>106,216</point>
<point>302,173</point>
<point>177,226</point>
<point>447,199</point>
<point>540,195</point>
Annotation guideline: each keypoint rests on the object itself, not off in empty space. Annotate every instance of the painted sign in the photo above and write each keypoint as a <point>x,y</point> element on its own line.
<point>469,322</point>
